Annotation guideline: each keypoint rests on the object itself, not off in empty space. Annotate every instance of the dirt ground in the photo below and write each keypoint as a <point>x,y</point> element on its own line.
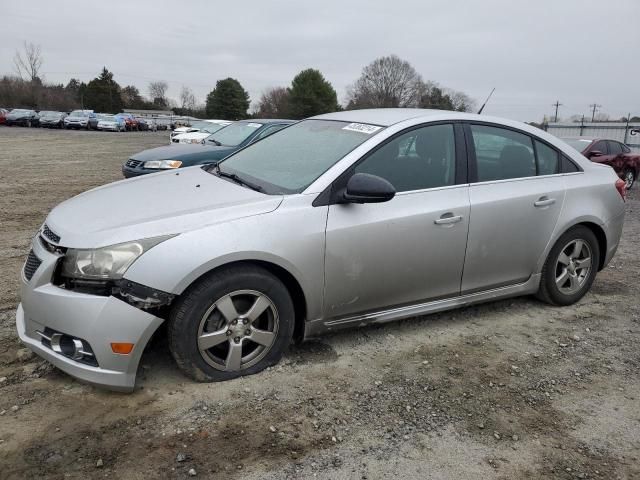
<point>511,389</point>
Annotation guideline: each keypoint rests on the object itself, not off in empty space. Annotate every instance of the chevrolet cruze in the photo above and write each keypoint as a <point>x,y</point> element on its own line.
<point>339,220</point>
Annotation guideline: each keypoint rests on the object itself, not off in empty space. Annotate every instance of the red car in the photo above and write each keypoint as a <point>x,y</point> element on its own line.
<point>609,152</point>
<point>3,115</point>
<point>131,122</point>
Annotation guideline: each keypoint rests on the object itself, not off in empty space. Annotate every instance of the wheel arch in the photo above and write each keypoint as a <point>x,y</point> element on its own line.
<point>601,236</point>
<point>292,284</point>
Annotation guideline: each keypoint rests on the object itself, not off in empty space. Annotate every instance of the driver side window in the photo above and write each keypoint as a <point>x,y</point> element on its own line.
<point>420,158</point>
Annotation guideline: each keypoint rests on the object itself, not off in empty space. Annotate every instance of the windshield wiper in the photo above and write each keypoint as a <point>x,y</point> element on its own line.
<point>215,141</point>
<point>237,179</point>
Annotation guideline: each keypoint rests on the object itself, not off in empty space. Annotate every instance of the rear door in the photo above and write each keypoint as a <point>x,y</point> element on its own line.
<point>516,197</point>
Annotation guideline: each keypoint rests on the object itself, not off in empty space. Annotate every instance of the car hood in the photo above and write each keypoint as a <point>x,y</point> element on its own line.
<point>153,205</point>
<point>190,135</point>
<point>184,152</point>
<point>75,119</point>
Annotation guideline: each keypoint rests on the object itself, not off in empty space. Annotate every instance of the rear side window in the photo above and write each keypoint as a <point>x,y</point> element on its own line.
<point>547,159</point>
<point>600,146</point>
<point>502,154</point>
<point>614,148</point>
<point>568,166</point>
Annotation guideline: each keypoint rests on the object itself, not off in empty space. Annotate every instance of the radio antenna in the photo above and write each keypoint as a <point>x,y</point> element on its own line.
<point>485,102</point>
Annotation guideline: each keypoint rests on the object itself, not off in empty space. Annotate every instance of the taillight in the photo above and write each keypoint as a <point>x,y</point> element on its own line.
<point>621,186</point>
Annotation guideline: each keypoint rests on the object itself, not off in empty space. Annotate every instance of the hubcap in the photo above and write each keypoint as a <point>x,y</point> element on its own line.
<point>238,330</point>
<point>573,266</point>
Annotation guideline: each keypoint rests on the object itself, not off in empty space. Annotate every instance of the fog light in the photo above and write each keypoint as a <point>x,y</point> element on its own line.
<point>122,348</point>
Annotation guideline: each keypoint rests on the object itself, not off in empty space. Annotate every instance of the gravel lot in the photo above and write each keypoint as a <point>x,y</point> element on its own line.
<point>513,389</point>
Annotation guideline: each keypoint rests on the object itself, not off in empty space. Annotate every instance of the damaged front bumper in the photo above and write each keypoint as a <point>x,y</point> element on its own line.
<point>74,331</point>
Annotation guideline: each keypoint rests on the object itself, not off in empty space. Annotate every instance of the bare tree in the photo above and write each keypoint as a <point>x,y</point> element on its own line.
<point>274,103</point>
<point>158,92</point>
<point>28,62</point>
<point>187,99</point>
<point>386,82</point>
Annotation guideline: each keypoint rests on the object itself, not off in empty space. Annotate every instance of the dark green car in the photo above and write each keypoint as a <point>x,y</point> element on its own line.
<point>214,148</point>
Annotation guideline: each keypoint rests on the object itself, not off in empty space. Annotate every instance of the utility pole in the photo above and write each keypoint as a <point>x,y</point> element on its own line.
<point>594,106</point>
<point>557,104</point>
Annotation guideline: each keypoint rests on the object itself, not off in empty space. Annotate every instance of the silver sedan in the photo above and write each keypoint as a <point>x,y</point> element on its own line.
<point>339,220</point>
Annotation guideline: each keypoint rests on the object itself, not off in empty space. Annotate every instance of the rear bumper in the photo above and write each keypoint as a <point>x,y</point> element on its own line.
<point>97,320</point>
<point>613,232</point>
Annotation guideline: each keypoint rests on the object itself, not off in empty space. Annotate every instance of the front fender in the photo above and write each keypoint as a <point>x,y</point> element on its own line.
<point>291,237</point>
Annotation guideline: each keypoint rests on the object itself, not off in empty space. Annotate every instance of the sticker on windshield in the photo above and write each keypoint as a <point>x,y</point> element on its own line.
<point>362,128</point>
<point>254,125</point>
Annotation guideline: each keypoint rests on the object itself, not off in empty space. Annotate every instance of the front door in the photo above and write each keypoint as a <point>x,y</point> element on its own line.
<point>410,249</point>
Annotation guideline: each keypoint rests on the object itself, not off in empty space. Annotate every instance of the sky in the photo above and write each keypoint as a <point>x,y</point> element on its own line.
<point>534,53</point>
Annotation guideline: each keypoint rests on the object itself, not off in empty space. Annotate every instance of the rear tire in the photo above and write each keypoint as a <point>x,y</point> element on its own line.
<point>219,310</point>
<point>629,177</point>
<point>570,268</point>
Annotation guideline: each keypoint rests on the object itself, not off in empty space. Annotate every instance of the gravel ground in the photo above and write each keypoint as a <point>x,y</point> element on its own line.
<point>511,389</point>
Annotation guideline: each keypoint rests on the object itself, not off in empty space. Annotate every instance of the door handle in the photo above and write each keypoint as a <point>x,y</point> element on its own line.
<point>447,219</point>
<point>544,202</point>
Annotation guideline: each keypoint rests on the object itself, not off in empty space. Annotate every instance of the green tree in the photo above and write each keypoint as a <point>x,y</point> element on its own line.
<point>310,94</point>
<point>102,94</point>
<point>228,101</point>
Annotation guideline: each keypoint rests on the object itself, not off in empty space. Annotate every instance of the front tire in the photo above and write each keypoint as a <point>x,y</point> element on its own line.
<point>233,322</point>
<point>570,268</point>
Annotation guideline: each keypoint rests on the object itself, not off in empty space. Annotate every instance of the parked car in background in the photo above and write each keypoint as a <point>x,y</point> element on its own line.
<point>146,124</point>
<point>113,123</point>
<point>3,115</point>
<point>52,119</point>
<point>609,152</point>
<point>337,221</point>
<point>216,147</point>
<point>130,121</point>
<point>93,121</point>
<point>22,117</point>
<point>78,119</point>
<point>195,126</point>
<point>200,134</point>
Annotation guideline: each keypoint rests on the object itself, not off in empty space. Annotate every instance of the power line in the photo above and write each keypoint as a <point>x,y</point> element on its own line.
<point>595,106</point>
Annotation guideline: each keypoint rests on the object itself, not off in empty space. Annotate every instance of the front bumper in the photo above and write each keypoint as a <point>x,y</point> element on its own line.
<point>98,320</point>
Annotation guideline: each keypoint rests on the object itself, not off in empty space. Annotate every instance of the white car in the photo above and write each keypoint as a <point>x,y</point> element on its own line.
<point>198,126</point>
<point>200,135</point>
<point>111,122</point>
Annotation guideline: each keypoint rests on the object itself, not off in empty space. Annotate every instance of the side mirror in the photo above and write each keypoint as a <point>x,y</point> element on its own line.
<point>366,188</point>
<point>595,153</point>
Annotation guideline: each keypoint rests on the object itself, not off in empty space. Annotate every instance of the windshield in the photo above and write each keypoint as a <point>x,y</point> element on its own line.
<point>212,128</point>
<point>234,134</point>
<point>578,143</point>
<point>78,113</point>
<point>49,114</point>
<point>19,110</point>
<point>109,118</point>
<point>290,160</point>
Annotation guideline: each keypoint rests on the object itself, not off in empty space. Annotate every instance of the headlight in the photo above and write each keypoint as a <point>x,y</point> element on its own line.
<point>107,263</point>
<point>160,164</point>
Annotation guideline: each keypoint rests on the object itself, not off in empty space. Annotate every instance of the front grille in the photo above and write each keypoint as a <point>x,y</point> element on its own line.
<point>50,235</point>
<point>131,163</point>
<point>31,265</point>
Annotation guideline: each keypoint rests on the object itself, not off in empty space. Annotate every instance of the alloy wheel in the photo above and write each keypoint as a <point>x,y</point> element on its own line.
<point>629,178</point>
<point>573,266</point>
<point>238,330</point>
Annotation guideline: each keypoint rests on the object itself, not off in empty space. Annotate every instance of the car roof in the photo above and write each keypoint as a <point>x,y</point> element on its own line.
<point>267,120</point>
<point>386,116</point>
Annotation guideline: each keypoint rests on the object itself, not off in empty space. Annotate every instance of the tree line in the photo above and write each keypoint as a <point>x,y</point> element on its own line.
<point>388,81</point>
